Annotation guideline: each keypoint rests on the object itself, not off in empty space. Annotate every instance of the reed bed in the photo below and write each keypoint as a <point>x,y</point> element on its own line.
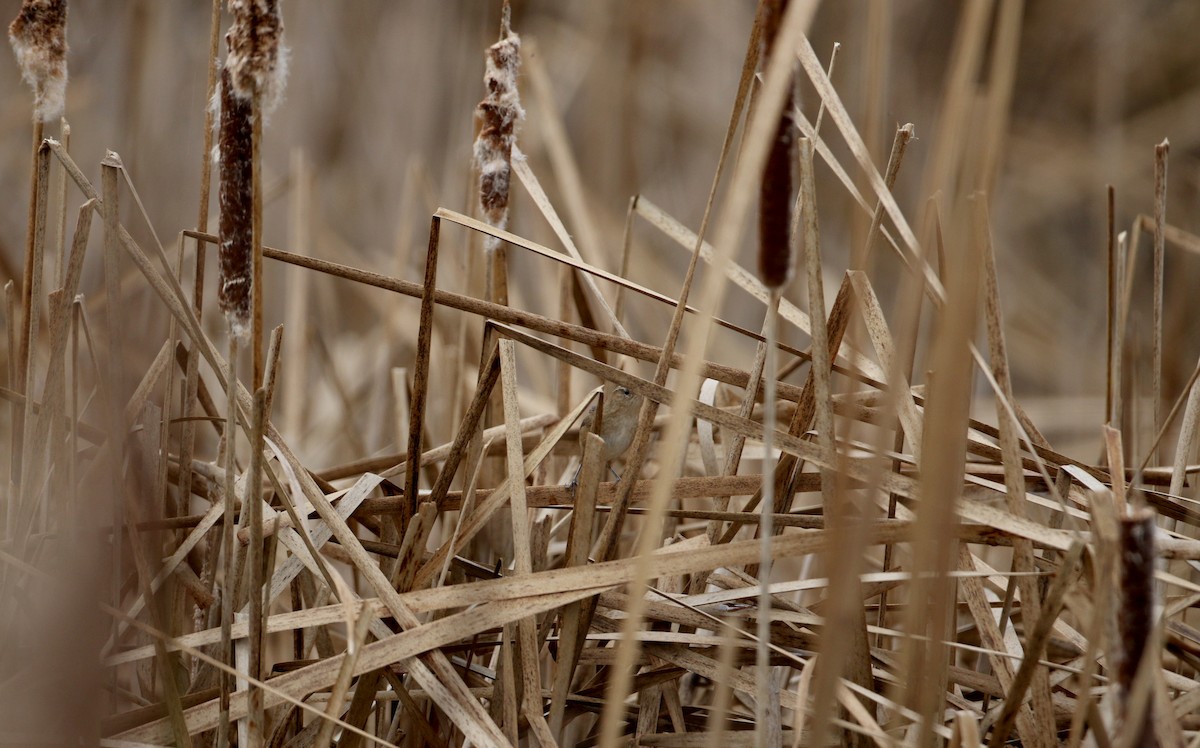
<point>571,477</point>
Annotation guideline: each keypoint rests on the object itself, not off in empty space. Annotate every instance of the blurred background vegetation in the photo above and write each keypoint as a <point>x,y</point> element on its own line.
<point>380,103</point>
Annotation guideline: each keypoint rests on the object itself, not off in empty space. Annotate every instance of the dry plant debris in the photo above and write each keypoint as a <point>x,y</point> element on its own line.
<point>832,544</point>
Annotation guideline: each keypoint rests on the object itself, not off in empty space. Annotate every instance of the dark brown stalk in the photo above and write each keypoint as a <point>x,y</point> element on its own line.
<point>416,421</point>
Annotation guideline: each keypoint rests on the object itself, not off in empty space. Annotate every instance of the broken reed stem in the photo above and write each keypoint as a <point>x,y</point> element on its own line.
<point>904,135</point>
<point>1121,311</point>
<point>60,204</point>
<point>30,321</point>
<point>114,365</point>
<point>1111,313</point>
<point>833,55</point>
<point>27,300</point>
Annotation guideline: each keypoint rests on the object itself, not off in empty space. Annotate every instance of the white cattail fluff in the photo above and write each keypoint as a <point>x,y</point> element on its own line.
<point>500,113</point>
<point>39,39</point>
<point>257,59</point>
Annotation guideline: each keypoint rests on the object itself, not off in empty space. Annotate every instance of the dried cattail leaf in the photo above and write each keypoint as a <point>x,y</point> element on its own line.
<point>500,113</point>
<point>776,261</point>
<point>236,148</point>
<point>39,39</point>
<point>257,59</point>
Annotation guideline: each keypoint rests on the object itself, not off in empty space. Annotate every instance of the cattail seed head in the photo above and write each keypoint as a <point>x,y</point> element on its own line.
<point>235,144</point>
<point>257,59</point>
<point>500,113</point>
<point>1135,613</point>
<point>39,39</point>
<point>776,260</point>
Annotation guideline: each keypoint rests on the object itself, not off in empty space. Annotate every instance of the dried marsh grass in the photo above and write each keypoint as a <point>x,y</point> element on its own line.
<point>853,508</point>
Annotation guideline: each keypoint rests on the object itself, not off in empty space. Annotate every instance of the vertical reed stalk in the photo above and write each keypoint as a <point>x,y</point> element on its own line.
<point>1160,223</point>
<point>229,583</point>
<point>776,267</point>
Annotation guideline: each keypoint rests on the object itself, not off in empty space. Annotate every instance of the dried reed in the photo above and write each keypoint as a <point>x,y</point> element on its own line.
<point>820,534</point>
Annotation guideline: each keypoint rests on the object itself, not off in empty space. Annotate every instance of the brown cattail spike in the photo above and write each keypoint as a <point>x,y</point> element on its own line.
<point>1135,615</point>
<point>500,112</point>
<point>39,39</point>
<point>235,146</point>
<point>776,264</point>
<point>257,60</point>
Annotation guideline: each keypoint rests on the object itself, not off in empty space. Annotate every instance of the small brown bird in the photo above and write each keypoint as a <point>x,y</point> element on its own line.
<point>621,408</point>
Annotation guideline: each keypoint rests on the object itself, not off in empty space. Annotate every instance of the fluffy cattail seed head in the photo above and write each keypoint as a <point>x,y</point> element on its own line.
<point>500,113</point>
<point>39,39</point>
<point>257,59</point>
